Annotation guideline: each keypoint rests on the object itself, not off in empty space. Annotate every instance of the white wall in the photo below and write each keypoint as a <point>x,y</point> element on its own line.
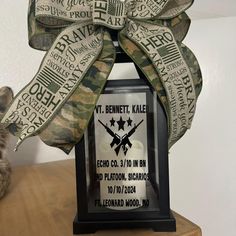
<point>203,163</point>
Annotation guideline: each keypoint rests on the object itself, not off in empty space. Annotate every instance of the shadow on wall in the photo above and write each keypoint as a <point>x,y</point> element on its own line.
<point>26,154</point>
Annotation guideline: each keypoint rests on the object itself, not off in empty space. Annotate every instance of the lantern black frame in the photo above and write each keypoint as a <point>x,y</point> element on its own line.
<point>162,220</point>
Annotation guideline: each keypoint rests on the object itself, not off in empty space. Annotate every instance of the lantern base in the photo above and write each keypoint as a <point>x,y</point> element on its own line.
<point>157,225</point>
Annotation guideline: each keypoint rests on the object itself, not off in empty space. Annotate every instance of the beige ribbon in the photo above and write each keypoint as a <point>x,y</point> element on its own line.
<point>76,48</point>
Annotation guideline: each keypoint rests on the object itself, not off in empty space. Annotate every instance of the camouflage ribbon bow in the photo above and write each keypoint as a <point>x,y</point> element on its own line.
<point>59,102</point>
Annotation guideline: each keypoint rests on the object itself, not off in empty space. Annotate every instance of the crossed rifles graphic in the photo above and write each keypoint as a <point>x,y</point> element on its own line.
<point>121,141</point>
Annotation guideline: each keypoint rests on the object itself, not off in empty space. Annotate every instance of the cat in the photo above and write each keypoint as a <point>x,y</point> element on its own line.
<point>6,96</point>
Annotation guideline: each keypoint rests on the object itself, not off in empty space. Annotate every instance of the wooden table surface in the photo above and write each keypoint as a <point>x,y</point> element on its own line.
<point>41,202</point>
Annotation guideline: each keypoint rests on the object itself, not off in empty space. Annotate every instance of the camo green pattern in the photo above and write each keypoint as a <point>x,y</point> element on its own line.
<point>6,96</point>
<point>68,126</point>
<point>143,62</point>
<point>179,26</point>
<point>40,36</point>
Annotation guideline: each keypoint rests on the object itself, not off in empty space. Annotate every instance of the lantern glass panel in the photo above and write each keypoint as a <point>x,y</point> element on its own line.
<point>121,150</point>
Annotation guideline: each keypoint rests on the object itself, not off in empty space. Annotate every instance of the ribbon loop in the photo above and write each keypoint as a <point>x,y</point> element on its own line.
<point>160,46</point>
<point>49,12</point>
<point>144,63</point>
<point>68,126</point>
<point>61,71</point>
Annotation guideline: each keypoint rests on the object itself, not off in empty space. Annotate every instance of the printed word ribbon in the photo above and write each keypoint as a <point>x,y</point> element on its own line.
<point>59,102</point>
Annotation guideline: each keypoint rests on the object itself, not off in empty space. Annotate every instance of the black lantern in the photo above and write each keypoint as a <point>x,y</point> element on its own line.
<point>122,161</point>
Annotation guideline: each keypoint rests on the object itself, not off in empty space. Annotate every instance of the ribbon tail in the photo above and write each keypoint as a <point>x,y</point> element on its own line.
<point>69,125</point>
<point>63,68</point>
<point>173,76</point>
<point>194,67</point>
<point>145,65</point>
